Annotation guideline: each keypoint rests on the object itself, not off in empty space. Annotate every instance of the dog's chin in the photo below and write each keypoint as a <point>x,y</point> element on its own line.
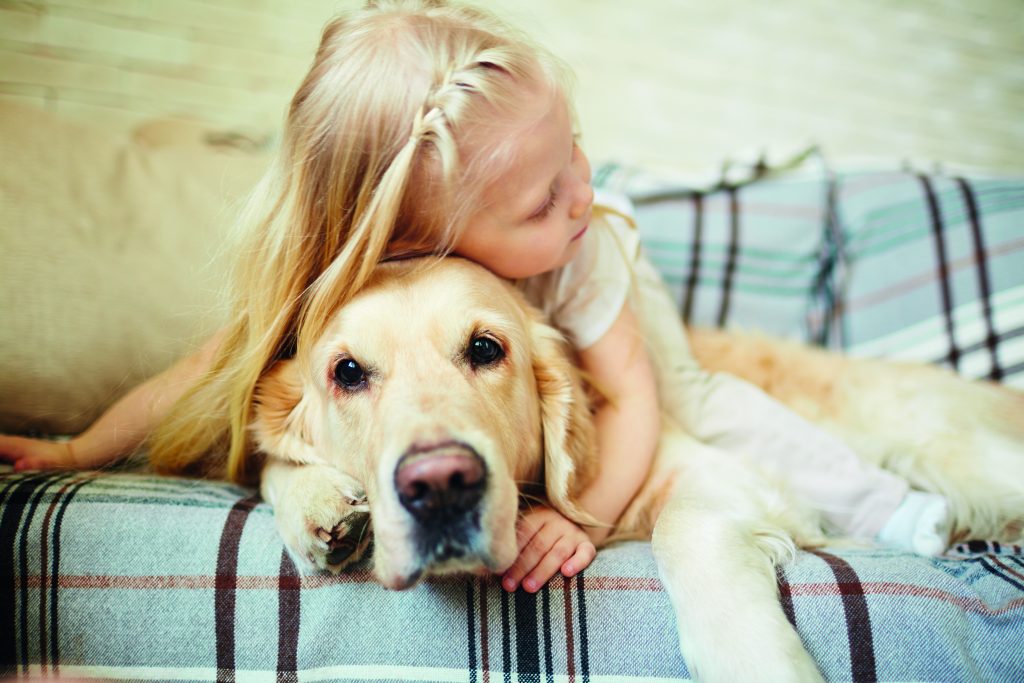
<point>479,564</point>
<point>483,542</point>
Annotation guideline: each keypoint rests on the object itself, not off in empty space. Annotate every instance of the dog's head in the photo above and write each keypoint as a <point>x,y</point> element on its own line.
<point>441,390</point>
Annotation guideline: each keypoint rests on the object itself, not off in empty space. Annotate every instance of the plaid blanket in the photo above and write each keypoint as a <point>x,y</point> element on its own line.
<point>131,577</point>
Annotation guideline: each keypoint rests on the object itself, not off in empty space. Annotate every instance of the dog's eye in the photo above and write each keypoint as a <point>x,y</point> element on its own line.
<point>484,351</point>
<point>349,374</point>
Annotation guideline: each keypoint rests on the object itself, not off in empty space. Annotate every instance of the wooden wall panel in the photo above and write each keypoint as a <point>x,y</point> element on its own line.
<point>672,83</point>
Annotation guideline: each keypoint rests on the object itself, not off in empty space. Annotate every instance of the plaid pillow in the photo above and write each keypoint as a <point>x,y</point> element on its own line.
<point>931,268</point>
<point>745,253</point>
<point>905,265</point>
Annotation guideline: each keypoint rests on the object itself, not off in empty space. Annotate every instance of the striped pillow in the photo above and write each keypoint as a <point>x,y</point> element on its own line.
<point>931,268</point>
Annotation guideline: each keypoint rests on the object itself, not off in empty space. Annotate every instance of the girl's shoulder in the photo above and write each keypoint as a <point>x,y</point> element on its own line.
<point>616,201</point>
<point>614,208</point>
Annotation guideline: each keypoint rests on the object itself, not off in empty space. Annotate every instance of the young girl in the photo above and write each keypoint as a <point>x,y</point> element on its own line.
<point>428,129</point>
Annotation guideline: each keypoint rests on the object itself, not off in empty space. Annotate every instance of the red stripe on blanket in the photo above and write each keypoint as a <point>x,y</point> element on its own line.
<point>622,583</point>
<point>1006,568</point>
<point>570,647</point>
<point>607,583</point>
<point>485,659</point>
<point>190,581</point>
<point>153,582</point>
<point>973,605</point>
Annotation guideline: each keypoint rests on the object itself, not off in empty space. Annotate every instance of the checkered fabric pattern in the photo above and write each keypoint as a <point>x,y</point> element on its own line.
<point>747,254</point>
<point>131,577</point>
<point>931,268</point>
<point>917,266</point>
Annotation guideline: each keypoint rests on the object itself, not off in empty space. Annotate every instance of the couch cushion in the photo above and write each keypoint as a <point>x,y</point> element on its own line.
<point>931,268</point>
<point>905,265</point>
<point>744,252</point>
<point>108,262</point>
<point>127,577</point>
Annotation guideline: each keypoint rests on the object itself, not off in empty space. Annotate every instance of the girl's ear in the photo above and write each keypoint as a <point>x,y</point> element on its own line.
<point>286,418</point>
<point>566,423</point>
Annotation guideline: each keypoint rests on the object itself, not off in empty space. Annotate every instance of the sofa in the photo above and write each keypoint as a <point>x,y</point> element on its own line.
<point>111,258</point>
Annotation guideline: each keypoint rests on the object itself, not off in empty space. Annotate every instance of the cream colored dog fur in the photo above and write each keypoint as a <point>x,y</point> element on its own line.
<point>341,440</point>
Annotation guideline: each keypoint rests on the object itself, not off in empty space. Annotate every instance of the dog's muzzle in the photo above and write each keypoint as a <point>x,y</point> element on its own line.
<point>442,487</point>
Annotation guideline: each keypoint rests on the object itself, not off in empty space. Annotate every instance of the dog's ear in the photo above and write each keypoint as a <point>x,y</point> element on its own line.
<point>567,425</point>
<point>286,421</point>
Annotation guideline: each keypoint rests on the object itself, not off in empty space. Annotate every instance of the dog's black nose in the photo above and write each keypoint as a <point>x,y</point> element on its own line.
<point>441,484</point>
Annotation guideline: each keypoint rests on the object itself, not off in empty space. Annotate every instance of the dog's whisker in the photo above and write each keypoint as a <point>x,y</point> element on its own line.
<point>530,498</point>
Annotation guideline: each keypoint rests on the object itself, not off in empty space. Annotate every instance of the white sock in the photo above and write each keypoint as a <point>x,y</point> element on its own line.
<point>921,524</point>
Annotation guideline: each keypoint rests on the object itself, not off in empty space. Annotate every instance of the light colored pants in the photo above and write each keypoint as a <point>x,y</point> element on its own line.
<point>854,498</point>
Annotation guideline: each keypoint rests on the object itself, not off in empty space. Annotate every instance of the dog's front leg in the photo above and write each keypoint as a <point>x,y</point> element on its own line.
<point>321,513</point>
<point>716,543</point>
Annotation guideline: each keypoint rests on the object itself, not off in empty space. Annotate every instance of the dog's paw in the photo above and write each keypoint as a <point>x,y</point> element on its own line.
<point>324,519</point>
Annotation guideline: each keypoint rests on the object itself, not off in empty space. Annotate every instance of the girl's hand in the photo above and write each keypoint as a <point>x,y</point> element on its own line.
<point>548,543</point>
<point>36,454</point>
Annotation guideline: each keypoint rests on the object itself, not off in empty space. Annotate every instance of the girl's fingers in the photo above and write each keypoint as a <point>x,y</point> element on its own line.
<point>581,559</point>
<point>31,454</point>
<point>12,448</point>
<point>527,528</point>
<point>529,556</point>
<point>28,464</point>
<point>548,565</point>
<point>548,543</point>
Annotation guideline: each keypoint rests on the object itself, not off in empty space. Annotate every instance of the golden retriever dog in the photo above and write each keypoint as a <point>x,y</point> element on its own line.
<point>438,397</point>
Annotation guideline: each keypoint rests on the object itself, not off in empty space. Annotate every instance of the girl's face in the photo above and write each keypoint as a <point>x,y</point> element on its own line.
<point>535,212</point>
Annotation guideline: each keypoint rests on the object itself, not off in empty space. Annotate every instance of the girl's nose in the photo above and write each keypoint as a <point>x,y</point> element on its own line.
<point>583,193</point>
<point>583,197</point>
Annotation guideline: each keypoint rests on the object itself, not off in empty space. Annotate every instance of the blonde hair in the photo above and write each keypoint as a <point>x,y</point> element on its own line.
<point>374,163</point>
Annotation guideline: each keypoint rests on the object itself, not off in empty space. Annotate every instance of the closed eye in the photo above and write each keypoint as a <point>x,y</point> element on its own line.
<point>544,211</point>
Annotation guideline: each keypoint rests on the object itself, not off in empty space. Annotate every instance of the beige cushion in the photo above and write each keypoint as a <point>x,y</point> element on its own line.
<point>111,261</point>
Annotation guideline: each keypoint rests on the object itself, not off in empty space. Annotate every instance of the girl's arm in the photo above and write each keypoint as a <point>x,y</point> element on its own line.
<point>627,432</point>
<point>122,428</point>
<point>627,425</point>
